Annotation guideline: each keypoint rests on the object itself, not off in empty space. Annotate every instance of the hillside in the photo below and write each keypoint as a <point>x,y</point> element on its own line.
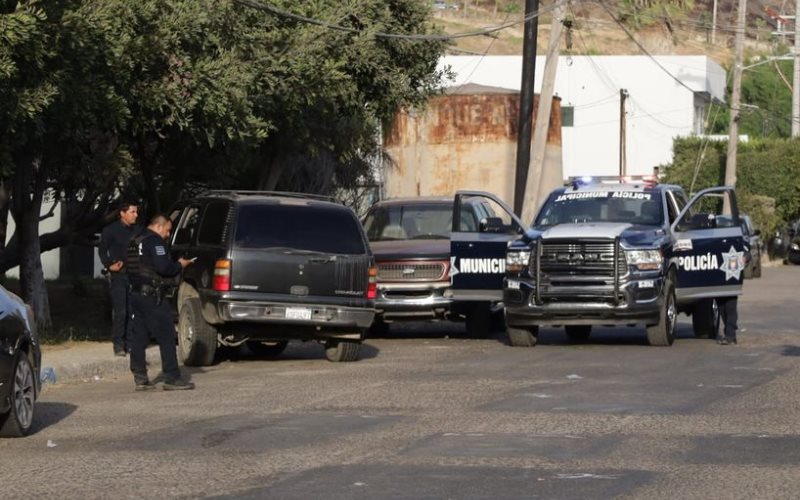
<point>595,32</point>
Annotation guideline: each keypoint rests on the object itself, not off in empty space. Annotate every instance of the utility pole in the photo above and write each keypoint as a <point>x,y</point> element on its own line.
<point>539,182</point>
<point>714,24</point>
<point>526,101</point>
<point>733,139</point>
<point>796,79</point>
<point>623,167</point>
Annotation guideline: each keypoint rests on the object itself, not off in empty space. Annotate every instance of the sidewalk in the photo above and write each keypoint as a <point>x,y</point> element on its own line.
<point>88,361</point>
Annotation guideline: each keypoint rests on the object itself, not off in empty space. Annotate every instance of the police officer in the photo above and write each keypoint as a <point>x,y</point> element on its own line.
<point>113,248</point>
<point>152,275</point>
<point>728,308</point>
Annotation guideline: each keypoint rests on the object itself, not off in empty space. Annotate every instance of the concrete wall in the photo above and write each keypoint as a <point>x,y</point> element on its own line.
<point>659,107</point>
<point>50,259</point>
<point>464,140</point>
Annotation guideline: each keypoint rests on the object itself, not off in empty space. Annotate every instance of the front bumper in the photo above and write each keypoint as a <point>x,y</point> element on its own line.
<point>634,301</point>
<point>322,315</point>
<point>412,301</point>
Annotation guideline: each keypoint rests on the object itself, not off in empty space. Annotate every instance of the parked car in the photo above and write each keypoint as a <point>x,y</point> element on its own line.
<point>410,238</point>
<point>270,268</point>
<point>20,361</point>
<point>752,238</point>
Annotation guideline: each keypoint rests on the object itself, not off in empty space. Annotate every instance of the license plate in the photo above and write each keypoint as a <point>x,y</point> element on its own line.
<point>298,313</point>
<point>513,285</point>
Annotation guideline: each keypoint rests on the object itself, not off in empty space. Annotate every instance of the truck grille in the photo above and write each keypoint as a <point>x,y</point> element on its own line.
<point>412,271</point>
<point>580,259</point>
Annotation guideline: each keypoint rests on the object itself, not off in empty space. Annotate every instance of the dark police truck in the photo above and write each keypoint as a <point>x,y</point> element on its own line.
<point>604,251</point>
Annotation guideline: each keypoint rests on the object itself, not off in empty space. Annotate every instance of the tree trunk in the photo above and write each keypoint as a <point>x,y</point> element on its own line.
<point>29,187</point>
<point>31,275</point>
<point>271,173</point>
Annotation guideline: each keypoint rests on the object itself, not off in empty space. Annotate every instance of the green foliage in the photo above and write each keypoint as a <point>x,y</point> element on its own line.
<point>643,13</point>
<point>768,175</point>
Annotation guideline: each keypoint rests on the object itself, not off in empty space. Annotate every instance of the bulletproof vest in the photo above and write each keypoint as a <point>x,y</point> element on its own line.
<point>138,271</point>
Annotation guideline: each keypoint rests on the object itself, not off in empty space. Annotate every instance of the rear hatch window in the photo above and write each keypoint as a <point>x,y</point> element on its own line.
<point>300,227</point>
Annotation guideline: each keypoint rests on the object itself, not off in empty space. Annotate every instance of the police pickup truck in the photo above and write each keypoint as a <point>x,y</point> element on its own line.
<point>611,252</point>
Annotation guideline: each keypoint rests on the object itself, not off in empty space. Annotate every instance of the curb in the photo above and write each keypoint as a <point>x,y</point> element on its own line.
<point>94,368</point>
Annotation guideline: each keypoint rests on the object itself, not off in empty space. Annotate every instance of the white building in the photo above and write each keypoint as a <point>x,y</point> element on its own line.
<point>668,96</point>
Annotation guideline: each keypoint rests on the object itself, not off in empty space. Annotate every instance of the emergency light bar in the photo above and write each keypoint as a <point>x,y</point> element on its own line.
<point>586,180</point>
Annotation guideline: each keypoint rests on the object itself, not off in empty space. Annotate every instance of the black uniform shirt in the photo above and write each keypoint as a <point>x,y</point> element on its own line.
<point>114,242</point>
<point>154,254</point>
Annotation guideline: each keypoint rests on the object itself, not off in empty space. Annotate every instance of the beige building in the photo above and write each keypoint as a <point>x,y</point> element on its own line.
<point>464,139</point>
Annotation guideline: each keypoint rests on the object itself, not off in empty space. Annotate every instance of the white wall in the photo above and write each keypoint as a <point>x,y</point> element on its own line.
<point>658,108</point>
<point>51,259</point>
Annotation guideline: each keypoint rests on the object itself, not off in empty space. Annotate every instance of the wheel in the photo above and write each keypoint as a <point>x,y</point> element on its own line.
<point>19,419</point>
<point>267,349</point>
<point>342,350</point>
<point>663,333</point>
<point>705,319</point>
<point>197,340</point>
<point>479,321</point>
<point>578,333</point>
<point>522,337</point>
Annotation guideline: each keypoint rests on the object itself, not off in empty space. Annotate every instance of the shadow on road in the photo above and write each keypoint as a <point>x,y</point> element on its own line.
<point>790,350</point>
<point>47,414</point>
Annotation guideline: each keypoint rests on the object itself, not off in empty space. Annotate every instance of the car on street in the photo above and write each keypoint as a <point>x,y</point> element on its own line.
<point>20,362</point>
<point>410,239</point>
<point>270,268</point>
<point>624,251</point>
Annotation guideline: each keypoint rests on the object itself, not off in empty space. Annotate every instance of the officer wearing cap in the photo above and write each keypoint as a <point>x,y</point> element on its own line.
<point>152,274</point>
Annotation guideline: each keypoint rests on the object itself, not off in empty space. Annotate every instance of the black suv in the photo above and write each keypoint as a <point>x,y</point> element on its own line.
<point>271,267</point>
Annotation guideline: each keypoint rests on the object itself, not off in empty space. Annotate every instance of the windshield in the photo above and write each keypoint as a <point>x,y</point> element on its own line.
<point>634,207</point>
<point>299,228</point>
<point>409,222</point>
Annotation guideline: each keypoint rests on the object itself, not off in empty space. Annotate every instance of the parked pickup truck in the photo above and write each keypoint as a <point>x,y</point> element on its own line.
<point>410,239</point>
<point>624,252</point>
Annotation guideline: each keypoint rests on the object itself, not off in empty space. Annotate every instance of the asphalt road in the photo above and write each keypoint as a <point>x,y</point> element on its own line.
<point>432,415</point>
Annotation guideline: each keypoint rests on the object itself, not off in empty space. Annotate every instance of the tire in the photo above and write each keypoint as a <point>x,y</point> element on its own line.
<point>197,340</point>
<point>341,351</point>
<point>748,272</point>
<point>479,321</point>
<point>267,349</point>
<point>578,333</point>
<point>522,337</point>
<point>757,269</point>
<point>705,319</point>
<point>663,333</point>
<point>19,419</point>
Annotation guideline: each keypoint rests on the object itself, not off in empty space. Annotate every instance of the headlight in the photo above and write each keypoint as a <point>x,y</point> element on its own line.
<point>644,260</point>
<point>517,260</point>
<point>795,247</point>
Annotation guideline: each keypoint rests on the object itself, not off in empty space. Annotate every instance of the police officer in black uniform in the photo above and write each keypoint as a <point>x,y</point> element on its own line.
<point>152,274</point>
<point>112,251</point>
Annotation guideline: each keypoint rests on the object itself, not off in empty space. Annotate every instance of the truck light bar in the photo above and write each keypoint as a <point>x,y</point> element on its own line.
<point>586,180</point>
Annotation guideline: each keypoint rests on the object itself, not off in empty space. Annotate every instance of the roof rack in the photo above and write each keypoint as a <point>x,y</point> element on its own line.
<point>286,194</point>
<point>588,180</point>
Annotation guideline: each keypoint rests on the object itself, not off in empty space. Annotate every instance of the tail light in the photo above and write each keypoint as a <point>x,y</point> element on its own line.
<point>372,284</point>
<point>222,276</point>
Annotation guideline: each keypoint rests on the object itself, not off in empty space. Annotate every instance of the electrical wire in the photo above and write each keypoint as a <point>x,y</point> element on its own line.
<point>258,5</point>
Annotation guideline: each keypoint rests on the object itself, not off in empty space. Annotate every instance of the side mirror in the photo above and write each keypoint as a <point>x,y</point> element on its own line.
<point>491,225</point>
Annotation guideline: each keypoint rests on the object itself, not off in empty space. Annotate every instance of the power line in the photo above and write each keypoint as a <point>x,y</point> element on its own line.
<point>253,4</point>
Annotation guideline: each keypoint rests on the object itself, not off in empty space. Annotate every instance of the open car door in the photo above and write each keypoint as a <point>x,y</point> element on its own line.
<point>482,227</point>
<point>708,247</point>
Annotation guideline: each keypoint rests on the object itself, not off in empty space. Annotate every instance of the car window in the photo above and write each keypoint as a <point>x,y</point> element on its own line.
<point>299,227</point>
<point>187,229</point>
<point>634,207</point>
<point>212,229</point>
<point>409,221</point>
